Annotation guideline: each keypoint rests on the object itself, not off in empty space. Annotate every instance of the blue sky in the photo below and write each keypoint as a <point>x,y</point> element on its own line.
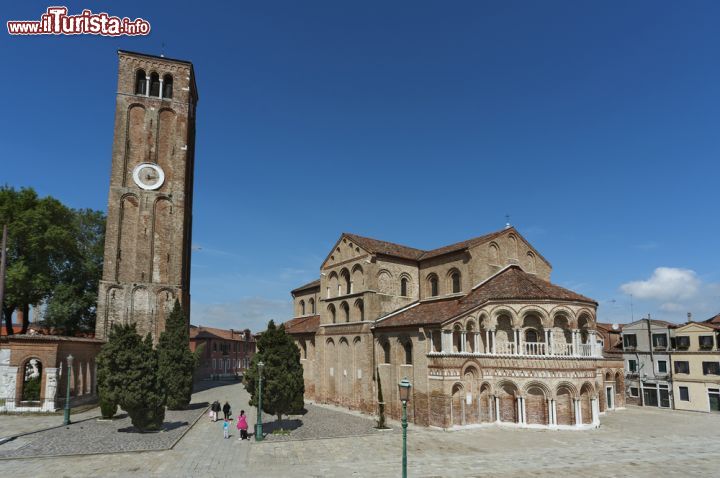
<point>593,124</point>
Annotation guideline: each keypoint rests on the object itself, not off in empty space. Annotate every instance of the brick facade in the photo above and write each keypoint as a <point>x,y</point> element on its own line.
<point>490,342</point>
<point>225,352</point>
<point>148,239</point>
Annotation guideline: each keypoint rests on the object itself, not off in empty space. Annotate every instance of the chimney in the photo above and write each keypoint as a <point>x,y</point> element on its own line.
<point>689,317</point>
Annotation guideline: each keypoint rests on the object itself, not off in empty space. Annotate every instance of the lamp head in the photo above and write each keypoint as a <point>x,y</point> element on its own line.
<point>404,390</point>
<point>70,360</point>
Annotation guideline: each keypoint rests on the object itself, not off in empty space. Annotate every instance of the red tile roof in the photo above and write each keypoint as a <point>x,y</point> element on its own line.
<point>511,283</point>
<point>375,246</point>
<point>303,325</point>
<point>309,285</point>
<point>201,332</point>
<point>713,320</point>
<point>609,327</point>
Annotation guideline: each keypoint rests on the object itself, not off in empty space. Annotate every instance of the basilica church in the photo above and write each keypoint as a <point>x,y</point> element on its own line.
<point>477,327</point>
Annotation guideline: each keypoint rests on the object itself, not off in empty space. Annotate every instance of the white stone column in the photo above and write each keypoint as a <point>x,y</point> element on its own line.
<point>523,411</point>
<point>463,335</point>
<point>518,409</point>
<point>595,409</point>
<point>578,413</point>
<point>476,342</point>
<point>576,342</point>
<point>487,341</point>
<point>447,341</point>
<point>517,342</point>
<point>51,385</point>
<point>553,405</point>
<point>497,409</point>
<point>161,89</point>
<point>493,348</point>
<point>147,86</point>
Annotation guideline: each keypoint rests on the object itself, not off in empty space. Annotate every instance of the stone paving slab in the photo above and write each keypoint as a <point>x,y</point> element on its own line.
<point>321,422</point>
<point>630,443</point>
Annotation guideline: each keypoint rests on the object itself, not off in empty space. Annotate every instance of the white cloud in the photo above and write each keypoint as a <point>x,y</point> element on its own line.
<point>250,312</point>
<point>666,284</point>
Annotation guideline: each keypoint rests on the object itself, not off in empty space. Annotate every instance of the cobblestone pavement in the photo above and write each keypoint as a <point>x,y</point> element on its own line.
<point>18,424</point>
<point>632,442</point>
<point>102,436</point>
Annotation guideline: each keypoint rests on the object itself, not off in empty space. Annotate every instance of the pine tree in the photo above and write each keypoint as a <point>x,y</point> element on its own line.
<point>128,375</point>
<point>283,386</point>
<point>176,361</point>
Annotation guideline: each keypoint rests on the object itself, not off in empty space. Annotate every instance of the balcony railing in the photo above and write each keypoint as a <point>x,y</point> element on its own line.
<point>534,349</point>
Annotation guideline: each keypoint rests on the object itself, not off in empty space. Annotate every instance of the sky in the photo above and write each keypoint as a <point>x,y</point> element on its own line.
<point>593,125</point>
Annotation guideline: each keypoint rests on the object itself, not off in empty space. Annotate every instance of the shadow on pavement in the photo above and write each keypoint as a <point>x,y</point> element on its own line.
<point>210,384</point>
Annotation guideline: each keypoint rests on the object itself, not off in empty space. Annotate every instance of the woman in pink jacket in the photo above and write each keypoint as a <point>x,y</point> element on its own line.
<point>242,425</point>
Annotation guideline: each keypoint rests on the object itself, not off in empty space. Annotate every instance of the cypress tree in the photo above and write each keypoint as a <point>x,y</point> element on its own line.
<point>128,375</point>
<point>283,386</point>
<point>176,361</point>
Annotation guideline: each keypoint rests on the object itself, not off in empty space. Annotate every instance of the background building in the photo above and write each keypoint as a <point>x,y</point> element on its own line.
<point>646,352</point>
<point>696,367</point>
<point>226,353</point>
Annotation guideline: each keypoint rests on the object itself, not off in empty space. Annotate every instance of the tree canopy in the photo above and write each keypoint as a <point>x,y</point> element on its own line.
<point>54,255</point>
<point>128,375</point>
<point>283,386</point>
<point>176,361</point>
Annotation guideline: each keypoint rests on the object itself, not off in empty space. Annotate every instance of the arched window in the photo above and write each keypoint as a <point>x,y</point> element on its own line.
<point>312,306</point>
<point>331,310</point>
<point>140,83</point>
<point>531,335</point>
<point>167,86</point>
<point>433,281</point>
<point>404,287</point>
<point>346,311</point>
<point>347,285</point>
<point>360,306</point>
<point>32,380</point>
<point>302,307</point>
<point>154,84</point>
<point>386,351</point>
<point>455,277</point>
<point>408,352</point>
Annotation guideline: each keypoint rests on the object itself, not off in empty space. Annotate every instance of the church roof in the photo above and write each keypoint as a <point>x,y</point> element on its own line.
<point>511,283</point>
<point>303,325</point>
<point>375,246</point>
<point>309,285</point>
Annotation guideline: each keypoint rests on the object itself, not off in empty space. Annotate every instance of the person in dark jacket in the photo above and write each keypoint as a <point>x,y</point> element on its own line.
<point>226,410</point>
<point>215,407</point>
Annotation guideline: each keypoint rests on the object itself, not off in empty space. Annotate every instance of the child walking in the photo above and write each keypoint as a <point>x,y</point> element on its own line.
<point>226,428</point>
<point>242,425</point>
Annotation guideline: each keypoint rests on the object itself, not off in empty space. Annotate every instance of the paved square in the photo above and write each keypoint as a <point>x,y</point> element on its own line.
<point>632,442</point>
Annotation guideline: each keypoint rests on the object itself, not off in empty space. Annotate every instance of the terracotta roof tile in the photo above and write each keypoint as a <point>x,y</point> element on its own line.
<point>376,246</point>
<point>303,325</point>
<point>309,285</point>
<point>713,320</point>
<point>202,332</point>
<point>511,283</point>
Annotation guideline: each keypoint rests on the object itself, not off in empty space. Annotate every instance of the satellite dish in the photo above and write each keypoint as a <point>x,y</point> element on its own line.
<point>616,326</point>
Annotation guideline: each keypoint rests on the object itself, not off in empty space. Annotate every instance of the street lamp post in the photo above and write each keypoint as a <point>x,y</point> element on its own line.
<point>66,420</point>
<point>258,424</point>
<point>404,389</point>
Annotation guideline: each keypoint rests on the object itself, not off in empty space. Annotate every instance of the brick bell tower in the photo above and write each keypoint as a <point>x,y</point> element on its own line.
<point>149,221</point>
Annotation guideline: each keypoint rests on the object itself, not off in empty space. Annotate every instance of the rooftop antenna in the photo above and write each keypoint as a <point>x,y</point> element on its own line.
<point>507,221</point>
<point>632,312</point>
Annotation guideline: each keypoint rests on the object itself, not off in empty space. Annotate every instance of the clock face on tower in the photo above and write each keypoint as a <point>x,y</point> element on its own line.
<point>148,176</point>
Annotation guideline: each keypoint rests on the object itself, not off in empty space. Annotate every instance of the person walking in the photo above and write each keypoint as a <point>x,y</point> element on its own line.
<point>215,407</point>
<point>242,425</point>
<point>226,410</point>
<point>226,428</point>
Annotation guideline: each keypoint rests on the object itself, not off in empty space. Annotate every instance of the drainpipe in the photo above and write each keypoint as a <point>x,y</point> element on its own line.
<point>652,359</point>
